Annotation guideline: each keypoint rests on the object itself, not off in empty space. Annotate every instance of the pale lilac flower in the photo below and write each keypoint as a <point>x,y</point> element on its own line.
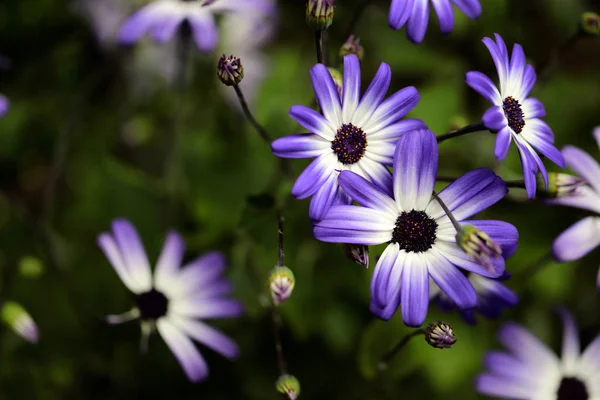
<point>4,104</point>
<point>174,298</point>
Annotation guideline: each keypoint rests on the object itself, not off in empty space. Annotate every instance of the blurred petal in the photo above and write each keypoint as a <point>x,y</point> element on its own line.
<point>169,261</point>
<point>208,336</point>
<point>400,11</point>
<point>133,254</point>
<point>184,350</point>
<point>578,240</point>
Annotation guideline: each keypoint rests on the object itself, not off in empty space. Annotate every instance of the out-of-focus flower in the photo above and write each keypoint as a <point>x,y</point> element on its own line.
<point>14,315</point>
<point>289,386</point>
<point>230,70</point>
<point>173,299</point>
<point>492,298</point>
<point>352,46</point>
<point>478,245</point>
<point>319,14</point>
<point>358,253</point>
<point>415,14</point>
<point>162,19</point>
<point>590,23</point>
<point>352,134</point>
<point>560,185</point>
<point>281,284</point>
<point>420,236</point>
<point>530,370</point>
<point>515,115</point>
<point>440,335</point>
<point>4,104</point>
<point>584,236</point>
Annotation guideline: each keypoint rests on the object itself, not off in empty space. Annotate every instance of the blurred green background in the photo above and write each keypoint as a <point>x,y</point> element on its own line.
<point>95,132</point>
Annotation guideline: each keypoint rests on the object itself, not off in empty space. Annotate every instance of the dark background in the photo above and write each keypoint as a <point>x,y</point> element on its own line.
<point>95,133</point>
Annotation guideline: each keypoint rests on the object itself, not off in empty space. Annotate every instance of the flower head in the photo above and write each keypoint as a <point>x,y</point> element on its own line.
<point>289,386</point>
<point>173,299</point>
<point>514,115</point>
<point>492,297</point>
<point>353,134</point>
<point>162,19</point>
<point>530,370</point>
<point>281,284</point>
<point>415,14</point>
<point>319,13</point>
<point>440,335</point>
<point>14,315</point>
<point>584,236</point>
<point>560,185</point>
<point>590,23</point>
<point>4,104</point>
<point>420,236</point>
<point>478,245</point>
<point>352,46</point>
<point>230,70</point>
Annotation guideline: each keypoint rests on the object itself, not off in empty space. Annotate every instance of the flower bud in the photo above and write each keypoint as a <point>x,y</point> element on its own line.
<point>590,23</point>
<point>15,316</point>
<point>230,70</point>
<point>289,386</point>
<point>338,79</point>
<point>478,245</point>
<point>440,335</point>
<point>352,46</point>
<point>319,14</point>
<point>559,185</point>
<point>281,284</point>
<point>358,253</point>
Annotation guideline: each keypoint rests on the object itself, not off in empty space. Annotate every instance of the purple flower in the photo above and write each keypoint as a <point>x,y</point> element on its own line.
<point>492,297</point>
<point>530,370</point>
<point>4,104</point>
<point>416,14</point>
<point>173,298</point>
<point>584,236</point>
<point>162,18</point>
<point>514,114</point>
<point>420,236</point>
<point>353,134</point>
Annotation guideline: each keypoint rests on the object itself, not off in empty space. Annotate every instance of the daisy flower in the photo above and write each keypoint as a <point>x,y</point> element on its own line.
<point>415,14</point>
<point>352,134</point>
<point>492,297</point>
<point>584,236</point>
<point>162,18</point>
<point>515,115</point>
<point>4,104</point>
<point>173,299</point>
<point>530,370</point>
<point>420,236</point>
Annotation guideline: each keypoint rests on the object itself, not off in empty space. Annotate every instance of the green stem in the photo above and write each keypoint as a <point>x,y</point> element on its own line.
<point>477,127</point>
<point>319,45</point>
<point>387,357</point>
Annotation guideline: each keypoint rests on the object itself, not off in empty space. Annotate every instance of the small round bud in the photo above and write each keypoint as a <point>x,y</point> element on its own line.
<point>358,253</point>
<point>590,23</point>
<point>230,70</point>
<point>289,386</point>
<point>559,185</point>
<point>281,284</point>
<point>338,79</point>
<point>478,245</point>
<point>319,14</point>
<point>15,316</point>
<point>440,335</point>
<point>352,46</point>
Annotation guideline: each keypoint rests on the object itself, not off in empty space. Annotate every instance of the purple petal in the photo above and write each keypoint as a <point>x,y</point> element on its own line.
<point>443,9</point>
<point>206,308</point>
<point>541,128</point>
<point>533,108</point>
<point>458,257</point>
<point>372,226</point>
<point>583,164</point>
<point>373,96</point>
<point>184,350</point>
<point>484,86</point>
<point>366,193</point>
<point>381,152</point>
<point>394,131</point>
<point>527,82</point>
<point>507,366</point>
<point>112,252</point>
<point>503,139</point>
<point>474,191</point>
<point>517,67</point>
<point>204,30</point>
<point>303,145</point>
<point>327,94</point>
<point>392,109</point>
<point>499,55</point>
<point>351,87</point>
<point>400,11</point>
<point>544,147</point>
<point>529,170</point>
<point>415,169</point>
<point>381,284</point>
<point>590,360</point>
<point>200,273</point>
<point>165,28</point>
<point>379,174</point>
<point>133,254</point>
<point>417,22</point>
<point>452,282</point>
<point>494,120</point>
<point>323,199</point>
<point>415,290</point>
<point>584,197</point>
<point>578,240</point>
<point>597,135</point>
<point>313,121</point>
<point>169,261</point>
<point>4,104</point>
<point>524,345</point>
<point>314,176</point>
<point>207,335</point>
<point>503,233</point>
<point>471,8</point>
<point>571,350</point>
<point>139,23</point>
<point>502,387</point>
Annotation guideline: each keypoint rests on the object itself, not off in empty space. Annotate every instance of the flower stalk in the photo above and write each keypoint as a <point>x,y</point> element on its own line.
<point>476,127</point>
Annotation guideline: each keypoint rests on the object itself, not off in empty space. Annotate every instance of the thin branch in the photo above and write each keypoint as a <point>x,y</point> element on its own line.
<point>387,357</point>
<point>477,127</point>
<point>259,128</point>
<point>319,45</point>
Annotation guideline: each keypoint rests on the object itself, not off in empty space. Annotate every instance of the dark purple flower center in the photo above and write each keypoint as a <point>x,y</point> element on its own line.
<point>415,231</point>
<point>152,304</point>
<point>514,114</point>
<point>572,389</point>
<point>349,144</point>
